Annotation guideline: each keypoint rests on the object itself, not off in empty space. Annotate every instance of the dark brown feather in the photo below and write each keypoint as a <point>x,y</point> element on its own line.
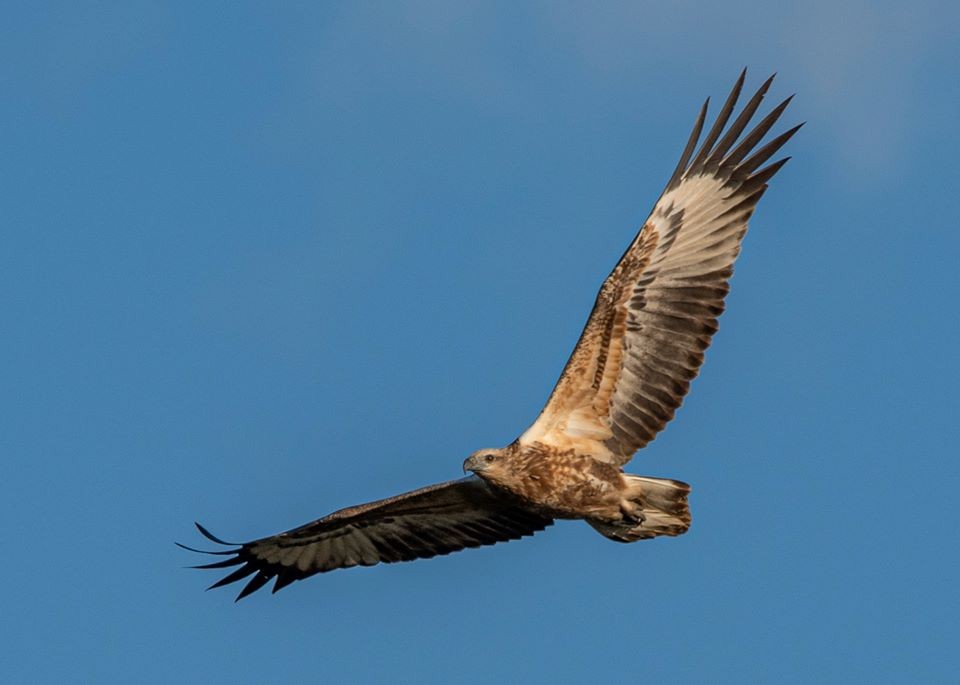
<point>435,520</point>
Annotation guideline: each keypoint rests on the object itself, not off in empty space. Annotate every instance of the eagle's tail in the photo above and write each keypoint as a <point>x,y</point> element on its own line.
<point>657,505</point>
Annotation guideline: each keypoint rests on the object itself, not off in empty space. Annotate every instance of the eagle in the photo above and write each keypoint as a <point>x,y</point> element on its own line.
<point>642,345</point>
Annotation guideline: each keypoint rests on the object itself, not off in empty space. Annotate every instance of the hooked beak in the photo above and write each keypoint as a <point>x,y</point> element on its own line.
<point>474,463</point>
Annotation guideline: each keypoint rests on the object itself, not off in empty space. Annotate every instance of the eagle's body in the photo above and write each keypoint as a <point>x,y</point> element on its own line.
<point>643,343</point>
<point>561,484</point>
<point>566,484</point>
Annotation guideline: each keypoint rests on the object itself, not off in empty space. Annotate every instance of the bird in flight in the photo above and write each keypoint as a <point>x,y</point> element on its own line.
<point>643,343</point>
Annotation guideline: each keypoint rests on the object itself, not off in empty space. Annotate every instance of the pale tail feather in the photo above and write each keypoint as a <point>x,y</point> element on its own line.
<point>662,506</point>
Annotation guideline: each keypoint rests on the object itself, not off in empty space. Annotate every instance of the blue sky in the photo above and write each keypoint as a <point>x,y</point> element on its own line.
<point>258,263</point>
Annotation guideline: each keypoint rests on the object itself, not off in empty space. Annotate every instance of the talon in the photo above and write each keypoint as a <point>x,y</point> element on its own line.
<point>631,513</point>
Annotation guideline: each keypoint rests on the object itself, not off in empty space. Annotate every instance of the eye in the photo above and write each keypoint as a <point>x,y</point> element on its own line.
<point>489,457</point>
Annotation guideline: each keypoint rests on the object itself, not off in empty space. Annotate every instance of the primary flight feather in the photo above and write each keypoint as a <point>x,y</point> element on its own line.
<point>653,318</point>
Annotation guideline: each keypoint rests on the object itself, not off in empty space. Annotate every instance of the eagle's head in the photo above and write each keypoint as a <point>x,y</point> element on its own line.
<point>489,463</point>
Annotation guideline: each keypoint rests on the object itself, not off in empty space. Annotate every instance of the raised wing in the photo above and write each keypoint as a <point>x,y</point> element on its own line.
<point>657,311</point>
<point>437,519</point>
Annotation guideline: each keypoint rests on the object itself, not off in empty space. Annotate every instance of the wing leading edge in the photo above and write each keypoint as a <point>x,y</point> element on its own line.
<point>434,520</point>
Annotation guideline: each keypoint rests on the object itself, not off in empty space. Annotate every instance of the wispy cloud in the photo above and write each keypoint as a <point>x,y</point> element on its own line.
<point>859,65</point>
<point>855,64</point>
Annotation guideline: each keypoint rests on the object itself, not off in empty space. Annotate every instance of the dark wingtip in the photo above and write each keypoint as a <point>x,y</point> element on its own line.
<point>242,572</point>
<point>749,165</point>
<point>723,116</point>
<point>692,141</point>
<point>283,580</point>
<point>742,79</point>
<point>226,563</point>
<point>257,582</point>
<point>213,538</point>
<point>736,156</point>
<point>765,86</point>
<point>760,178</point>
<point>200,551</point>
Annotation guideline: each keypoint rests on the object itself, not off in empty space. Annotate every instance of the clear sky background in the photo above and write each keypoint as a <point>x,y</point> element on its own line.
<point>259,262</point>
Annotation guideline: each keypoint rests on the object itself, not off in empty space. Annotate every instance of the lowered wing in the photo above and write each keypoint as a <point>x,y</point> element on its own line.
<point>437,519</point>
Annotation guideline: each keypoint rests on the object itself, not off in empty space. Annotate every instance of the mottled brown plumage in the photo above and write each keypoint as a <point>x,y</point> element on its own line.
<point>642,345</point>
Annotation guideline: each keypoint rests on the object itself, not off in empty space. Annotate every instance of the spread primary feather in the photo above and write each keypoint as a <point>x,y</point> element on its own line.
<point>643,343</point>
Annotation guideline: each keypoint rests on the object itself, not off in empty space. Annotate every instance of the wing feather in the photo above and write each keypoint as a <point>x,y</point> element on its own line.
<point>656,313</point>
<point>438,519</point>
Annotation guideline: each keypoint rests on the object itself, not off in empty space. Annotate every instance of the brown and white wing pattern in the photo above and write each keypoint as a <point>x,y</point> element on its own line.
<point>657,311</point>
<point>434,520</point>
